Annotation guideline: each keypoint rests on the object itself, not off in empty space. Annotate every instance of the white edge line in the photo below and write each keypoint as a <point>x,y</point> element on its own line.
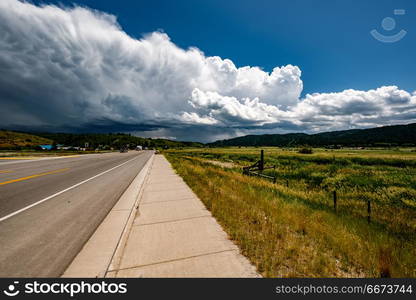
<point>63,191</point>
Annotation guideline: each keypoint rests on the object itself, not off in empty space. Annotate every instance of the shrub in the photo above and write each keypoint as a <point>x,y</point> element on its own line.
<point>305,150</point>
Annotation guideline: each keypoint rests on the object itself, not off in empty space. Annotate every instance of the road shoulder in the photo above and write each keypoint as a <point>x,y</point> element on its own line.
<point>95,257</point>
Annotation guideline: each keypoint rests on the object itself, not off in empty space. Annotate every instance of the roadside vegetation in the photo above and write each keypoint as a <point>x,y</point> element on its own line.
<point>13,140</point>
<point>291,229</point>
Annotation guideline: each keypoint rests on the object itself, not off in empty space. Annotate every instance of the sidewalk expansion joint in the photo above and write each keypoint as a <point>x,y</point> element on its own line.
<point>173,221</point>
<point>184,199</point>
<point>167,190</point>
<point>172,260</point>
<point>180,180</point>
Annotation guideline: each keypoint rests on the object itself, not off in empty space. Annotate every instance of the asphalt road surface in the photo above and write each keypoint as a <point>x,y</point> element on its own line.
<point>50,207</point>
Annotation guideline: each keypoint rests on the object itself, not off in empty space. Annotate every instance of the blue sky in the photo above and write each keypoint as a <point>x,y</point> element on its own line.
<point>328,39</point>
<point>206,70</point>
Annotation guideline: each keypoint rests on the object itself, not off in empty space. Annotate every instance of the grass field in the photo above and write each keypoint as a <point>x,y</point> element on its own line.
<point>290,228</point>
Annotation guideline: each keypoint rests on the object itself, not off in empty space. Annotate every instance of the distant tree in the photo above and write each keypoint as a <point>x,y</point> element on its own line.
<point>305,150</point>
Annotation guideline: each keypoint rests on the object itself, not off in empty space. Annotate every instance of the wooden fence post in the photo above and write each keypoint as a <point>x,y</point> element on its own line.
<point>368,211</point>
<point>335,200</point>
<point>261,164</point>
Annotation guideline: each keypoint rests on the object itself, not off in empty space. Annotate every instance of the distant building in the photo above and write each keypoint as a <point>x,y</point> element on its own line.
<point>64,147</point>
<point>46,147</point>
<point>60,147</point>
<point>333,147</point>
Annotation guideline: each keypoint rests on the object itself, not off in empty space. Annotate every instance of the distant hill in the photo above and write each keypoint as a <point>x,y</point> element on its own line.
<point>20,140</point>
<point>15,140</point>
<point>404,135</point>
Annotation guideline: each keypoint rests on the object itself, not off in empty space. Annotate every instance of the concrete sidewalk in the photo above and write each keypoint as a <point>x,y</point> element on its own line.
<point>174,235</point>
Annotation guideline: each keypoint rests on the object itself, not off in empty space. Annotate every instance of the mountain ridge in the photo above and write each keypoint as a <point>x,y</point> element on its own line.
<point>385,135</point>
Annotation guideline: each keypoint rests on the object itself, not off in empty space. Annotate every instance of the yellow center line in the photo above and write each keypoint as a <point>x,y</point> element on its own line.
<point>23,157</point>
<point>5,171</point>
<point>36,157</point>
<point>34,176</point>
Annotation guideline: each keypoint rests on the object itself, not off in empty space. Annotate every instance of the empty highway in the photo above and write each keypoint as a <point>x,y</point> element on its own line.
<point>50,207</point>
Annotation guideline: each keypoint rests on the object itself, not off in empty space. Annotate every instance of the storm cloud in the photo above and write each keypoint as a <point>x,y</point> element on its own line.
<point>76,69</point>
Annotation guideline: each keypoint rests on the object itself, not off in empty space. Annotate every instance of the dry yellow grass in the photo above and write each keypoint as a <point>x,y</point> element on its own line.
<point>286,235</point>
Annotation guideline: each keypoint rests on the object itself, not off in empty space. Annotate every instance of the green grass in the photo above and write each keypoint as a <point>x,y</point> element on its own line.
<point>293,231</point>
<point>12,140</point>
